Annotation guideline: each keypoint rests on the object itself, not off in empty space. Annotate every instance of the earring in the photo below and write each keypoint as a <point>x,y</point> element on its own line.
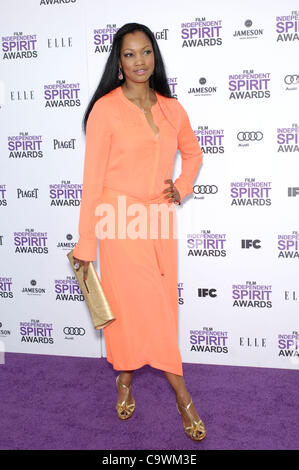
<point>120,75</point>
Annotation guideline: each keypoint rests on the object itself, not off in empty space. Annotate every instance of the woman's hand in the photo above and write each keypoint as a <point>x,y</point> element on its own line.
<point>174,195</point>
<point>85,266</point>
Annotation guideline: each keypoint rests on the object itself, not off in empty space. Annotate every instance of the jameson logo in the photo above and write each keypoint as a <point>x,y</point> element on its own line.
<point>68,244</point>
<point>211,140</point>
<point>250,193</point>
<point>249,85</point>
<point>19,46</point>
<point>251,33</point>
<point>62,94</point>
<point>288,245</point>
<point>288,139</point>
<point>31,241</point>
<point>25,145</point>
<point>65,194</point>
<point>36,332</point>
<point>68,289</point>
<point>103,38</point>
<point>288,345</point>
<point>287,27</point>
<point>205,89</point>
<point>252,294</point>
<point>33,289</point>
<point>208,340</point>
<point>201,32</point>
<point>206,243</point>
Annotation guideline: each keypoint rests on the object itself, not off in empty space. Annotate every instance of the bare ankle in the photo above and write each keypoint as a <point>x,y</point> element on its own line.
<point>126,378</point>
<point>183,397</point>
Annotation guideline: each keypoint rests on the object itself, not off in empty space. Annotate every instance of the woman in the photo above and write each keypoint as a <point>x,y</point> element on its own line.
<point>133,130</point>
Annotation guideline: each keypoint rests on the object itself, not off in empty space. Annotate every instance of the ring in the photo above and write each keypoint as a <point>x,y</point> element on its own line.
<point>76,265</point>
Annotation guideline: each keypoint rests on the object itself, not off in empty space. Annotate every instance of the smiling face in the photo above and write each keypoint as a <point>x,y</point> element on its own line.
<point>137,54</point>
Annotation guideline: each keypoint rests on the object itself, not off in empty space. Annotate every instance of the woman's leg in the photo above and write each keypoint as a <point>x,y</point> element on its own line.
<point>125,378</point>
<point>182,396</point>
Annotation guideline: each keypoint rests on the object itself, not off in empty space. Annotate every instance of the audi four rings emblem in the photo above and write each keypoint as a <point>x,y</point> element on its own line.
<point>206,189</point>
<point>291,79</point>
<point>250,135</point>
<point>72,330</point>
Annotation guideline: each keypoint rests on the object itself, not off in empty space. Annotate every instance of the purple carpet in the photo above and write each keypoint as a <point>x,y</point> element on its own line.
<point>59,402</point>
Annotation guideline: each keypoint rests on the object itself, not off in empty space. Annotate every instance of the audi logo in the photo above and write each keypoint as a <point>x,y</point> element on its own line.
<point>73,330</point>
<point>291,79</point>
<point>252,135</point>
<point>205,189</point>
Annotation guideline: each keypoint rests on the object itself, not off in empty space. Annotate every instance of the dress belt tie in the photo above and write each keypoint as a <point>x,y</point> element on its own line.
<point>158,199</point>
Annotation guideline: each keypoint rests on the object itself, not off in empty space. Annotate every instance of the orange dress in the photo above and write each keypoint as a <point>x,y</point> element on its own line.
<point>125,159</point>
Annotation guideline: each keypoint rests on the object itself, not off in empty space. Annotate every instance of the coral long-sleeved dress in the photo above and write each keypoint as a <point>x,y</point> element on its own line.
<point>126,163</point>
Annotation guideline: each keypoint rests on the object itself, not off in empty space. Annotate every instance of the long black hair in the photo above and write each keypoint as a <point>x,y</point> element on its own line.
<point>109,80</point>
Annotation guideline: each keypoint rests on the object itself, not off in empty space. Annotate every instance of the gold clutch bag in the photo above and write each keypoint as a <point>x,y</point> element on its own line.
<point>99,308</point>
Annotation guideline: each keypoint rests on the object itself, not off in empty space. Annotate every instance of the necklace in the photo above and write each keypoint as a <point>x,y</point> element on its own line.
<point>141,107</point>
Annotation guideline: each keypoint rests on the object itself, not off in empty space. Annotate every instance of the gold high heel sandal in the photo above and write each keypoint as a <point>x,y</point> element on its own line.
<point>124,411</point>
<point>197,430</point>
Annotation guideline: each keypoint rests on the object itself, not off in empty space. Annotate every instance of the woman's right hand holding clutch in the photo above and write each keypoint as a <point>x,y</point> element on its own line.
<point>78,263</point>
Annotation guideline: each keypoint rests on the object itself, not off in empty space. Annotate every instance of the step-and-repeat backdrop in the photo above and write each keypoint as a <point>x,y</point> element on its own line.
<point>234,67</point>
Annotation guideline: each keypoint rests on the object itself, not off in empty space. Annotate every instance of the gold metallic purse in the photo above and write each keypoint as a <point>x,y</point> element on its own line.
<point>99,308</point>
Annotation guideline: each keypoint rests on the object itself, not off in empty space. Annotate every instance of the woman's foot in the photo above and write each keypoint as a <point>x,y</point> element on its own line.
<point>125,404</point>
<point>193,425</point>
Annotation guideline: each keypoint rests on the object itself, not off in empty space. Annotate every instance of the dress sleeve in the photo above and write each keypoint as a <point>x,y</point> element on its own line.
<point>97,146</point>
<point>191,155</point>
